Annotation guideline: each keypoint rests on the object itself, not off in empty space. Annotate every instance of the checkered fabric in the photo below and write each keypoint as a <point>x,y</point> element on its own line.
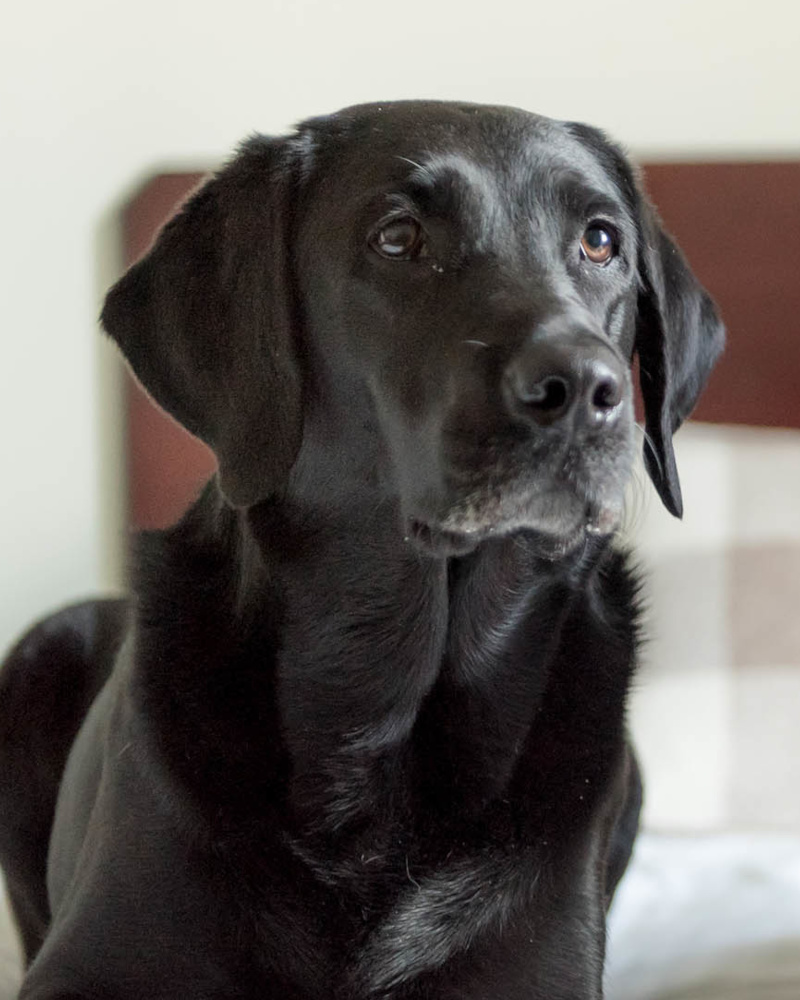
<point>716,709</point>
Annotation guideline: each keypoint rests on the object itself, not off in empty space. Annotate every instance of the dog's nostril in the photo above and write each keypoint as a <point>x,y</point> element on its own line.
<point>549,394</point>
<point>607,394</point>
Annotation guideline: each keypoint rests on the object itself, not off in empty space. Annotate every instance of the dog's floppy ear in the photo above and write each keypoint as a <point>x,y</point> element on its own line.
<point>205,320</point>
<point>678,335</point>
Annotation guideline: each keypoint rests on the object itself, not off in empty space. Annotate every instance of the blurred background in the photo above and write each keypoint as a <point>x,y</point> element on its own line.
<point>109,113</point>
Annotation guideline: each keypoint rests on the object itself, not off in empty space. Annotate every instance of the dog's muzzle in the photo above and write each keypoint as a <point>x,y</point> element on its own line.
<point>557,460</point>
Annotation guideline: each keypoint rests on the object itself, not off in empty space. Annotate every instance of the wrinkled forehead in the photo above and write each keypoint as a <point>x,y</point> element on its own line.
<point>450,160</point>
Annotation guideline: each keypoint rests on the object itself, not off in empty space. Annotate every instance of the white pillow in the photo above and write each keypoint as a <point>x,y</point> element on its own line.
<point>713,917</point>
<point>10,958</point>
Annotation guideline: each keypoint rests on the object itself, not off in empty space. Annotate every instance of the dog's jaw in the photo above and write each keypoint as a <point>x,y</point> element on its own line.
<point>439,539</point>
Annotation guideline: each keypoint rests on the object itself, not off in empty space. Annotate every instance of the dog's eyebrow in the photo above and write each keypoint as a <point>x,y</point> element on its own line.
<point>441,183</point>
<point>576,195</point>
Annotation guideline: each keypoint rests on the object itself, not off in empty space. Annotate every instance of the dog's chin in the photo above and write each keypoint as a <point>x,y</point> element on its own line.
<point>547,541</point>
<point>442,543</point>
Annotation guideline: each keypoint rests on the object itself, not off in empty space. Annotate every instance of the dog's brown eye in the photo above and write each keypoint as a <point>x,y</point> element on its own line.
<point>597,245</point>
<point>400,239</point>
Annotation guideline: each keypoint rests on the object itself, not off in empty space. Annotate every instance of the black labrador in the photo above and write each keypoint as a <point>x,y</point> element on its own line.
<point>360,732</point>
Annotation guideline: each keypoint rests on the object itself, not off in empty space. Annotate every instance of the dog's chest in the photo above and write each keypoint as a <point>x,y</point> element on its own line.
<point>465,804</point>
<point>492,923</point>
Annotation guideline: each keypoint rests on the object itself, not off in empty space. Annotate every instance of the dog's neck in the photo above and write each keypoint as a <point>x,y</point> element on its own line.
<point>380,641</point>
<point>376,685</point>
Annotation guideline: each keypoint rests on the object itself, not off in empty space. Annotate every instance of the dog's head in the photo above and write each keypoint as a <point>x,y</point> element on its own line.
<point>455,291</point>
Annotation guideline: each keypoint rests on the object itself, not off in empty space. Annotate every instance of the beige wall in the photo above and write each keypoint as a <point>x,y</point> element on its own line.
<point>93,94</point>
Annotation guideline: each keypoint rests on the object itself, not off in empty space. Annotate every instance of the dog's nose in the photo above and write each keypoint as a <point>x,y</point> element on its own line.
<point>575,376</point>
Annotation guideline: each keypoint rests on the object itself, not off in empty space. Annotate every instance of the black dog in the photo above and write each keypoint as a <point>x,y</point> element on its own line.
<point>361,732</point>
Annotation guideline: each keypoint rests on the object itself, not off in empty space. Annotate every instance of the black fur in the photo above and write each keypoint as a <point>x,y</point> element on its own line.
<point>365,735</point>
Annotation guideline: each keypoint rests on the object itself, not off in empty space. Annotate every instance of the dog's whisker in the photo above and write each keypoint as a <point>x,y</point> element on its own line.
<point>413,163</point>
<point>635,503</point>
<point>475,343</point>
<point>651,447</point>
